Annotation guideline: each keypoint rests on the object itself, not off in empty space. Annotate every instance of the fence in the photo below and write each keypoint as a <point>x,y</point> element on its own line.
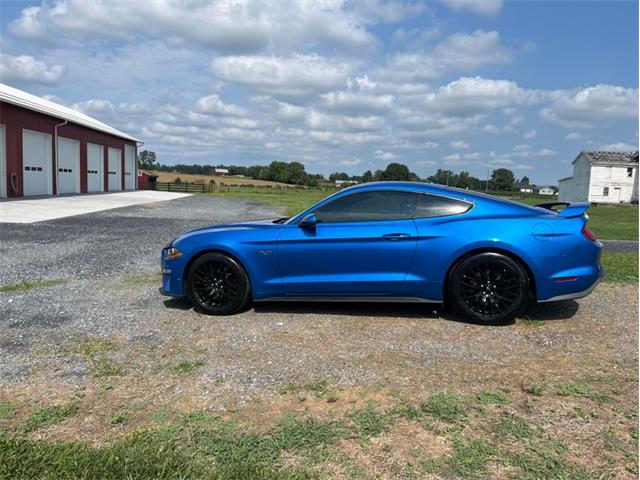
<point>175,187</point>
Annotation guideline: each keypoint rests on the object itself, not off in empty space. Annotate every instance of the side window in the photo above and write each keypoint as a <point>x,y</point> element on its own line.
<point>369,207</point>
<point>434,206</point>
<point>605,192</point>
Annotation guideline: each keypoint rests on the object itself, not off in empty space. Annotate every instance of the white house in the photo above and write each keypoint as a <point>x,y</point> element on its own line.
<point>221,172</point>
<point>546,191</point>
<point>602,177</point>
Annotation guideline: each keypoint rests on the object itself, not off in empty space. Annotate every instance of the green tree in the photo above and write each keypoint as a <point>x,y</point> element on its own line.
<point>502,179</point>
<point>524,180</point>
<point>367,176</point>
<point>147,160</point>
<point>338,176</point>
<point>397,171</point>
<point>443,177</point>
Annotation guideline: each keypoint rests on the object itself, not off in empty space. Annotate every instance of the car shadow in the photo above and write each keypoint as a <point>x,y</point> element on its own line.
<point>539,312</point>
<point>562,310</point>
<point>405,310</point>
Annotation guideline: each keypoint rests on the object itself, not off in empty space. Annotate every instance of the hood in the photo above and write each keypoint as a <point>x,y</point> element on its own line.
<point>251,225</point>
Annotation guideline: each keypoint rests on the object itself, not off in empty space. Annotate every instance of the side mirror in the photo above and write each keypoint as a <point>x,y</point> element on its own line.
<point>308,221</point>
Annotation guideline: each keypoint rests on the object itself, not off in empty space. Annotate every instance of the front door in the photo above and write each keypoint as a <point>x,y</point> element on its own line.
<point>363,244</point>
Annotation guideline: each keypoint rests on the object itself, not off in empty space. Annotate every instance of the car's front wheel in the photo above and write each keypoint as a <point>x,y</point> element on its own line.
<point>489,288</point>
<point>218,284</point>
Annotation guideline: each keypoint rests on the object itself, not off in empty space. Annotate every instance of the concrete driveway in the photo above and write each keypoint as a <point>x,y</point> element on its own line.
<point>40,209</point>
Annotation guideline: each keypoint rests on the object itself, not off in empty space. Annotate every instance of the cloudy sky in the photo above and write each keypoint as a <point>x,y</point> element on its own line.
<point>340,85</point>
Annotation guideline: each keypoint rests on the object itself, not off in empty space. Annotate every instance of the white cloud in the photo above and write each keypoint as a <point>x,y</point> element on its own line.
<point>295,76</point>
<point>490,128</point>
<point>530,134</point>
<point>591,106</point>
<point>212,105</point>
<point>481,7</point>
<point>227,26</point>
<point>459,52</point>
<point>472,95</point>
<point>618,147</point>
<point>25,68</point>
<point>431,145</point>
<point>453,158</point>
<point>357,103</point>
<point>459,145</point>
<point>385,155</point>
<point>574,136</point>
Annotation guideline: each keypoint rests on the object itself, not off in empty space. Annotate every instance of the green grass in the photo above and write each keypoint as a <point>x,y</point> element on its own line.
<point>23,286</point>
<point>291,200</point>
<point>203,445</point>
<point>614,223</point>
<point>188,366</point>
<point>45,416</point>
<point>445,406</point>
<point>7,410</point>
<point>620,267</point>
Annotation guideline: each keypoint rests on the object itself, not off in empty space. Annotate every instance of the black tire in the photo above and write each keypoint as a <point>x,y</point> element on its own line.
<point>489,288</point>
<point>218,285</point>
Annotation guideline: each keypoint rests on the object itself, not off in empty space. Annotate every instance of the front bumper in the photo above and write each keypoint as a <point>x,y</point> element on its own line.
<point>172,281</point>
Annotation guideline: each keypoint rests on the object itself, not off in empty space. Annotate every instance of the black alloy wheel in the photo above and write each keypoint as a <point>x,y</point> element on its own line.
<point>489,288</point>
<point>218,284</point>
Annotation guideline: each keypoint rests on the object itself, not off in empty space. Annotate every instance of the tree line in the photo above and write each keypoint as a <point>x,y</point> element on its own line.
<point>502,179</point>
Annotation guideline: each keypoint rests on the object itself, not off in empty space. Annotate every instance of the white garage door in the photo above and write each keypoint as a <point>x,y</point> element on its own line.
<point>36,161</point>
<point>115,156</point>
<point>68,165</point>
<point>95,170</point>
<point>129,167</point>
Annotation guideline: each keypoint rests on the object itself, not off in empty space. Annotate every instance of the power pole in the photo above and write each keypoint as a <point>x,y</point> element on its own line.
<point>486,185</point>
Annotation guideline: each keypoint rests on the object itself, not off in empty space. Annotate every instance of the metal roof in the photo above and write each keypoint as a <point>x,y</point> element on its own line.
<point>611,157</point>
<point>38,104</point>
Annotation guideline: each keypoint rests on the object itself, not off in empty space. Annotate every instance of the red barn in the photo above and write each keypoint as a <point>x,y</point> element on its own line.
<point>50,149</point>
<point>146,179</point>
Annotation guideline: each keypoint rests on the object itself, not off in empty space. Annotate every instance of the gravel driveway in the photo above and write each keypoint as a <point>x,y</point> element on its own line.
<point>108,262</point>
<point>112,242</point>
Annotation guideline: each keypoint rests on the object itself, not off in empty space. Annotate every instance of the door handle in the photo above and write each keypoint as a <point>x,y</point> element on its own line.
<point>396,236</point>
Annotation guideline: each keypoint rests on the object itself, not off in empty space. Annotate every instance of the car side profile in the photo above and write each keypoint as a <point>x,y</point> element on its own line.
<point>487,257</point>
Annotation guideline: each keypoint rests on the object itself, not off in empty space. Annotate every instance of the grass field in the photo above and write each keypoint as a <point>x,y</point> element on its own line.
<point>231,181</point>
<point>486,434</point>
<point>609,223</point>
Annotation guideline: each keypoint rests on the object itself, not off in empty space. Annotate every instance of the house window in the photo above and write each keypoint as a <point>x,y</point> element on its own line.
<point>605,192</point>
<point>629,172</point>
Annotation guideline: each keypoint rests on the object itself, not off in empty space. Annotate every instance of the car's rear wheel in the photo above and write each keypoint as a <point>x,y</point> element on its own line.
<point>489,288</point>
<point>218,284</point>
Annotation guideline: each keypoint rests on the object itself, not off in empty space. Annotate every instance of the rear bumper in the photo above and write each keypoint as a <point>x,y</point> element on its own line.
<point>575,295</point>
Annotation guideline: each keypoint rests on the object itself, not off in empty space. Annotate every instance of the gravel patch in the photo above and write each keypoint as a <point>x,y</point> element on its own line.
<point>620,245</point>
<point>112,242</point>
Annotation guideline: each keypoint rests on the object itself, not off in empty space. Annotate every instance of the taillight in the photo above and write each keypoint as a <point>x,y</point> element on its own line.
<point>588,233</point>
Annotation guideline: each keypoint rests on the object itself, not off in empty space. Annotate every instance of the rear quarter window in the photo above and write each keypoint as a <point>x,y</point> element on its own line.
<point>429,206</point>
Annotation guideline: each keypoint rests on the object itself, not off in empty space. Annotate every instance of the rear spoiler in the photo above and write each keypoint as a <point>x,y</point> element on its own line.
<point>570,210</point>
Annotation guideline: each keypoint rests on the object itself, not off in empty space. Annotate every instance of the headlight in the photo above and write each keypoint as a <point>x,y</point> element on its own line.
<point>173,253</point>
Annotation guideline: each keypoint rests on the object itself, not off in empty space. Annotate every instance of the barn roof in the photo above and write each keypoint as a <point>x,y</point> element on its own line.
<point>611,157</point>
<point>38,104</point>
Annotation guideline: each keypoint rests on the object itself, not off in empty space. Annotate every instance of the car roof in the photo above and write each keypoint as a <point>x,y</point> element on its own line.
<point>453,192</point>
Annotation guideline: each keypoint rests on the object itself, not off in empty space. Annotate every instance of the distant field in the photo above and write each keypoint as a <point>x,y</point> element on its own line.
<point>232,181</point>
<point>611,223</point>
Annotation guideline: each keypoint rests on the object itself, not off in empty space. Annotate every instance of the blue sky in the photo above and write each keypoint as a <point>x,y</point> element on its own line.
<point>341,86</point>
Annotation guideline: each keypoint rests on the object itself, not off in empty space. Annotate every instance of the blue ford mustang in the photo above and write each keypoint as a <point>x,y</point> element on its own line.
<point>393,241</point>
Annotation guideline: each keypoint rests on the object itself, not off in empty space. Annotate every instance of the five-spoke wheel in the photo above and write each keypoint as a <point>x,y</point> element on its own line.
<point>489,288</point>
<point>217,284</point>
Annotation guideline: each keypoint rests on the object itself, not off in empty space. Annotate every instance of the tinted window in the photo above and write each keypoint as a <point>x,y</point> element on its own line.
<point>369,207</point>
<point>434,206</point>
